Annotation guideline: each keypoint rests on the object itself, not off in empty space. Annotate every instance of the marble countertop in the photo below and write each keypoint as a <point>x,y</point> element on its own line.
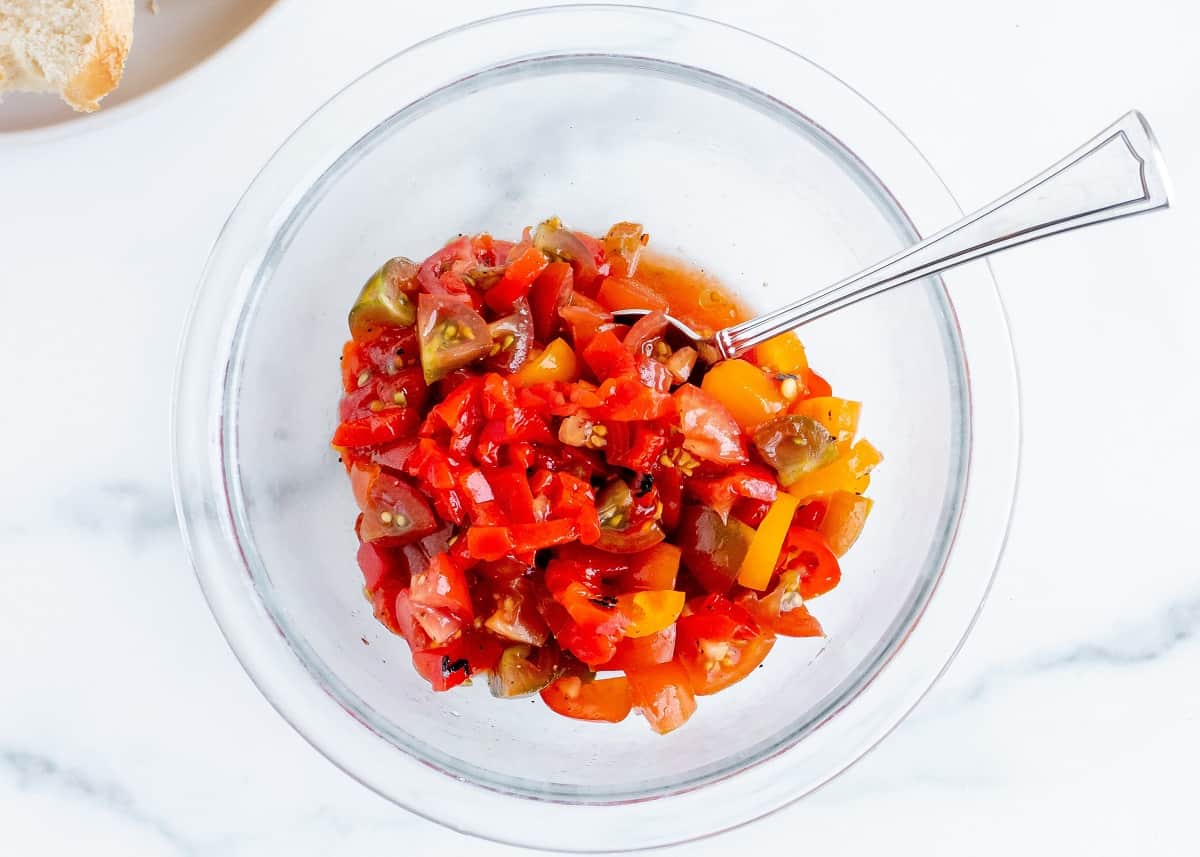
<point>1069,723</point>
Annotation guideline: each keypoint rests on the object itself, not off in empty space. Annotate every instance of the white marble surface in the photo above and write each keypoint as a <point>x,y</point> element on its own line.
<point>1070,723</point>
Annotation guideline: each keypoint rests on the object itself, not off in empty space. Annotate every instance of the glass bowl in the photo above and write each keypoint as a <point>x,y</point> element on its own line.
<point>738,155</point>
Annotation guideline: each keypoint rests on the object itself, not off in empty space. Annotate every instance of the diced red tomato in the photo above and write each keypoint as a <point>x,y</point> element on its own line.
<point>635,653</point>
<point>550,293</point>
<point>623,293</point>
<point>606,699</point>
<point>719,643</point>
<point>443,585</point>
<point>709,430</point>
<point>544,494</point>
<point>663,693</point>
<point>519,275</point>
<point>805,551</point>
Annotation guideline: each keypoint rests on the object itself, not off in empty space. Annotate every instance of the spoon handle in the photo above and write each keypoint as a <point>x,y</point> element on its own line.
<point>1117,173</point>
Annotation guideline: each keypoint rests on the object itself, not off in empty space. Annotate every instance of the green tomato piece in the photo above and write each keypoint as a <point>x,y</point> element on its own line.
<point>386,300</point>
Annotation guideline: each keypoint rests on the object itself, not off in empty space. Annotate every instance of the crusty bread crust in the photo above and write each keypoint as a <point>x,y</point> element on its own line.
<point>101,74</point>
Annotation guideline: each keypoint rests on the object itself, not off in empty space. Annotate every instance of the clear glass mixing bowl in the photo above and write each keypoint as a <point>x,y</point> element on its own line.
<point>738,155</point>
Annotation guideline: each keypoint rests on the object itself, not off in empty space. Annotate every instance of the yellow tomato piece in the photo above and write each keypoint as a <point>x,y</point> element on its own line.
<point>784,353</point>
<point>650,611</point>
<point>761,556</point>
<point>839,416</point>
<point>557,362</point>
<point>848,472</point>
<point>750,394</point>
<point>845,514</point>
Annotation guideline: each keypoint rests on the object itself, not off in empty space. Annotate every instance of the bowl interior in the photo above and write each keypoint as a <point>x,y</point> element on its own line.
<point>742,186</point>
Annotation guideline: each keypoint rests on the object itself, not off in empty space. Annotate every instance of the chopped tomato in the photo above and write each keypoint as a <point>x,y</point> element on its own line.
<point>543,493</point>
<point>749,394</point>
<point>512,339</point>
<point>655,568</point>
<point>844,518</point>
<point>516,616</point>
<point>585,318</point>
<point>712,549</point>
<point>849,471</point>
<point>623,246</point>
<point>719,493</point>
<point>378,563</point>
<point>663,693</point>
<point>635,653</point>
<point>805,551</point>
<point>451,335</point>
<point>783,610</point>
<point>443,585</point>
<point>448,666</point>
<point>551,292</point>
<point>815,385</point>
<point>518,277</point>
<point>606,699</point>
<point>623,293</point>
<point>784,354</point>
<point>709,430</point>
<point>838,416</point>
<point>764,551</point>
<point>650,611</point>
<point>556,362</point>
<point>715,653</point>
<point>394,511</point>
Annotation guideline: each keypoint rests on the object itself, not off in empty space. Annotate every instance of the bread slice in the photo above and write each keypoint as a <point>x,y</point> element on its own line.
<point>76,48</point>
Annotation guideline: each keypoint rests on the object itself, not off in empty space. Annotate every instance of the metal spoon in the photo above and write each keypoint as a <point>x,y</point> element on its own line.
<point>1117,173</point>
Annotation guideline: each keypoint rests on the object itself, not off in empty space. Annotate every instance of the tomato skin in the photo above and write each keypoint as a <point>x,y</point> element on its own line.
<point>664,695</point>
<point>605,699</point>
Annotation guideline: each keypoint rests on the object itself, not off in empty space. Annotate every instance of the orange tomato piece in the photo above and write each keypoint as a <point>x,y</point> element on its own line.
<point>750,394</point>
<point>605,699</point>
<point>649,611</point>
<point>845,515</point>
<point>850,472</point>
<point>556,362</point>
<point>623,293</point>
<point>664,695</point>
<point>759,561</point>
<point>785,353</point>
<point>839,416</point>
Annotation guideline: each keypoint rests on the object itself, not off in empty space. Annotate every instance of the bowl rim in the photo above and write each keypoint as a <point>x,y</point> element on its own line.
<point>209,530</point>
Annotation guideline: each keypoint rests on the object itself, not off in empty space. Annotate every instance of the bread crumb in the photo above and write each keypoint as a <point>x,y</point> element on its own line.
<point>152,6</point>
